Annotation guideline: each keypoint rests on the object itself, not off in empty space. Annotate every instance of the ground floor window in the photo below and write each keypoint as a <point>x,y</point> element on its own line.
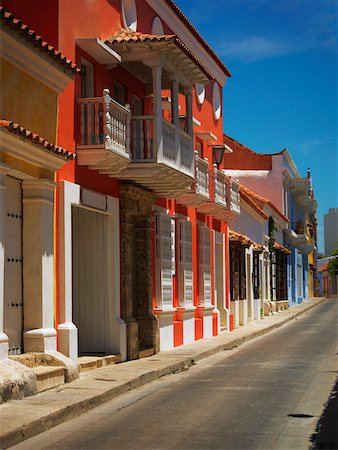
<point>185,264</point>
<point>164,255</point>
<point>237,272</point>
<point>204,261</point>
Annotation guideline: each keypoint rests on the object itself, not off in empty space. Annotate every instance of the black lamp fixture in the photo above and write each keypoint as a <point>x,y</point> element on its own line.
<point>218,153</point>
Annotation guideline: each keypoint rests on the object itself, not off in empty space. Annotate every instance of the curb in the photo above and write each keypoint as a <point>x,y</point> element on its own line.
<point>75,409</point>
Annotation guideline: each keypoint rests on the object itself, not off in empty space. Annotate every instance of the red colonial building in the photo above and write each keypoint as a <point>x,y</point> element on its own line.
<point>142,212</point>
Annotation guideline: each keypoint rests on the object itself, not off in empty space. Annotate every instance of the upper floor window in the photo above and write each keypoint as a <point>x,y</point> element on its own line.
<point>120,94</point>
<point>87,79</point>
<point>129,14</point>
<point>216,101</point>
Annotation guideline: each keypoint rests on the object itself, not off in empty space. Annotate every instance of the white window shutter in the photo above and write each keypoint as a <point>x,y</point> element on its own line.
<point>206,264</point>
<point>163,260</point>
<point>166,261</point>
<point>186,295</point>
<point>188,274</point>
<point>158,293</point>
<point>173,246</point>
<point>204,259</point>
<point>201,264</point>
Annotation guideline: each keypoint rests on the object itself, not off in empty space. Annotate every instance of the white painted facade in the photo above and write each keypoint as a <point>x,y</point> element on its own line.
<point>114,335</point>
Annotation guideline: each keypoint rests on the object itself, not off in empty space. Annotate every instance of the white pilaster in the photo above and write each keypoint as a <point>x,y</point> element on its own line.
<point>188,99</point>
<point>175,119</point>
<point>3,336</point>
<point>69,194</point>
<point>38,265</point>
<point>157,111</point>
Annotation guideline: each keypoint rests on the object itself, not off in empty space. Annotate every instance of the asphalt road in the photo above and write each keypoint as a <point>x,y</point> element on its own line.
<point>267,394</point>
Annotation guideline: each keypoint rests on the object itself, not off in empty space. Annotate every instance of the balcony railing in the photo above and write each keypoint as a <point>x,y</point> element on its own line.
<point>220,187</point>
<point>104,123</point>
<point>225,198</point>
<point>199,193</point>
<point>201,176</point>
<point>177,145</point>
<point>235,199</point>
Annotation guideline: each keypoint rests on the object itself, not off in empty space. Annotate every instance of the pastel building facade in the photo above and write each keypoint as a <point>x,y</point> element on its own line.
<point>275,177</point>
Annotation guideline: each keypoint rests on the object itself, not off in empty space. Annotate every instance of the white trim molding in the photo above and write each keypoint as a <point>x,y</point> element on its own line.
<point>70,194</point>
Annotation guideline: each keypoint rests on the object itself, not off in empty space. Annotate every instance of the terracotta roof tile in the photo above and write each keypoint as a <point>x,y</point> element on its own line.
<point>238,237</point>
<point>194,31</point>
<point>324,268</point>
<point>281,248</point>
<point>34,138</point>
<point>9,20</point>
<point>125,36</point>
<point>246,197</point>
<point>258,197</point>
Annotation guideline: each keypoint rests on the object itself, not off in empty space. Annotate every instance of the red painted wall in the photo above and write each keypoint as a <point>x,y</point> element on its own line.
<point>244,158</point>
<point>41,16</point>
<point>61,22</point>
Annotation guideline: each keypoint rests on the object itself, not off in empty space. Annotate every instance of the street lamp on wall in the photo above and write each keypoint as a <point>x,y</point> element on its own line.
<point>218,153</point>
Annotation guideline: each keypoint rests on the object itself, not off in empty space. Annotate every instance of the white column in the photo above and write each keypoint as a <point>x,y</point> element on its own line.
<point>69,194</point>
<point>188,99</point>
<point>38,265</point>
<point>175,119</point>
<point>157,111</point>
<point>3,336</point>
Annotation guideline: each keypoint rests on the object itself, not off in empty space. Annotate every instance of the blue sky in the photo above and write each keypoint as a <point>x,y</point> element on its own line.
<point>282,55</point>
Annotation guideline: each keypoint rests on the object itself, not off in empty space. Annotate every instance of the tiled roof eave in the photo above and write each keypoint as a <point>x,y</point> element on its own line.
<point>132,37</point>
<point>14,25</point>
<point>194,31</point>
<point>35,139</point>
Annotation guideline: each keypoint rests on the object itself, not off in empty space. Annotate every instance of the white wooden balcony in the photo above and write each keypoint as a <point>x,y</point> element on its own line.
<point>164,166</point>
<point>104,134</point>
<point>199,194</point>
<point>225,198</point>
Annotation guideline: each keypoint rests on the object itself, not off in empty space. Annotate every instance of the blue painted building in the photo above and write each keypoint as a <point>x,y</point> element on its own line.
<point>298,204</point>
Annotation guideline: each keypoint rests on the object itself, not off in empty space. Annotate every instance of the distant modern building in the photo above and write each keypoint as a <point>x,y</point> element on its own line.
<point>331,230</point>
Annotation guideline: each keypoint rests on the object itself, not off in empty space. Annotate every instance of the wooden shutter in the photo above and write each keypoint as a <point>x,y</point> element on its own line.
<point>256,274</point>
<point>242,274</point>
<point>185,264</point>
<point>204,258</point>
<point>163,229</point>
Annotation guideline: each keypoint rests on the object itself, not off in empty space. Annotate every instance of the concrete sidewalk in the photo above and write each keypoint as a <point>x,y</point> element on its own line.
<point>22,419</point>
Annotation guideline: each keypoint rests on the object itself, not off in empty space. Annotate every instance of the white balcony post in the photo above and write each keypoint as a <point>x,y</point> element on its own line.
<point>176,119</point>
<point>107,125</point>
<point>3,336</point>
<point>157,111</point>
<point>188,100</point>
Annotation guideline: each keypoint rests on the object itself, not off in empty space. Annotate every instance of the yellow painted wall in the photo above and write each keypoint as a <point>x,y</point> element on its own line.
<point>26,101</point>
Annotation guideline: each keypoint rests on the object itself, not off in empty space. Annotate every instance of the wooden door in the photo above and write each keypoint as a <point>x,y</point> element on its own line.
<point>90,280</point>
<point>13,324</point>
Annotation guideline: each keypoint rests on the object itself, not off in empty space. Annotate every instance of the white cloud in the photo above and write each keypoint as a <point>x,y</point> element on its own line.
<point>253,48</point>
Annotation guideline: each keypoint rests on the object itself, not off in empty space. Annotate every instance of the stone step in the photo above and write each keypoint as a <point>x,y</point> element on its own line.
<point>145,352</point>
<point>48,377</point>
<point>94,362</point>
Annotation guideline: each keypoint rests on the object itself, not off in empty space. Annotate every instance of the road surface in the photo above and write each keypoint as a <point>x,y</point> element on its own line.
<point>267,394</point>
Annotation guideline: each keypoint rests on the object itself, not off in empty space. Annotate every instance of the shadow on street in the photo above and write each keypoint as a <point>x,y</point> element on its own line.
<point>326,436</point>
